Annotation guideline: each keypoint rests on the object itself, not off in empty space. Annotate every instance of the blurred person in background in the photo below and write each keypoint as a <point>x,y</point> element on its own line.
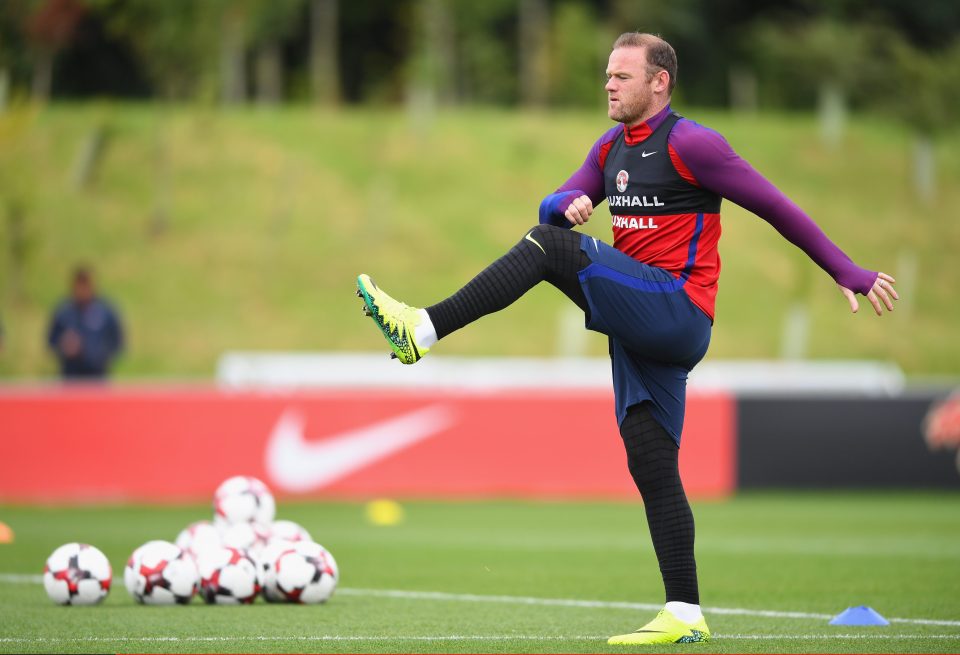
<point>85,331</point>
<point>652,293</point>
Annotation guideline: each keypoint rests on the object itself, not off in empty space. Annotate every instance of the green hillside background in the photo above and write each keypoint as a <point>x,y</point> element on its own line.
<point>215,230</point>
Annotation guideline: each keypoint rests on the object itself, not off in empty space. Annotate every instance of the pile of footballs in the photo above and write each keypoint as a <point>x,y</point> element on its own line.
<point>241,554</point>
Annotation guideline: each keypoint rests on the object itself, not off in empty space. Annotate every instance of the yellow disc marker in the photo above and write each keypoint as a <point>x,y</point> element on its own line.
<point>6,534</point>
<point>384,511</point>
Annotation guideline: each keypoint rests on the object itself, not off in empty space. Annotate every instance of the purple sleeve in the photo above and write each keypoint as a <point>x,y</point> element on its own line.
<point>553,206</point>
<point>585,181</point>
<point>717,168</point>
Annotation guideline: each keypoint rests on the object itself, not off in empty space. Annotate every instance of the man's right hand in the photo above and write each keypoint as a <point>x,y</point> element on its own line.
<point>578,212</point>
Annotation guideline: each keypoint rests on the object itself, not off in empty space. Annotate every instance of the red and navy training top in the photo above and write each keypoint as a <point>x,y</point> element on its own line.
<point>666,213</point>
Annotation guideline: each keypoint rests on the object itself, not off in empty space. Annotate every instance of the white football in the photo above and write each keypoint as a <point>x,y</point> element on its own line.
<point>198,537</point>
<point>77,574</point>
<point>228,576</point>
<point>243,499</point>
<point>306,574</point>
<point>161,573</point>
<point>289,531</point>
<point>268,571</point>
<point>251,537</point>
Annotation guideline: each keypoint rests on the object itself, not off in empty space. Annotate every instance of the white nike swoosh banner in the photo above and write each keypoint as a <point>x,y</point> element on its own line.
<point>295,465</point>
<point>538,441</point>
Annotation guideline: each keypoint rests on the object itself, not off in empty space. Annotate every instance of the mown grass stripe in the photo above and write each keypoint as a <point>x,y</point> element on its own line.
<point>18,578</point>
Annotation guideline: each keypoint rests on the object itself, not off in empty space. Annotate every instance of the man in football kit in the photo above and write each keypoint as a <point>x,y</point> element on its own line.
<point>652,293</point>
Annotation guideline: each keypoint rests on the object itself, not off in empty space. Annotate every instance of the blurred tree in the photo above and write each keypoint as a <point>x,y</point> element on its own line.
<point>431,61</point>
<point>234,34</point>
<point>50,27</point>
<point>324,52</point>
<point>928,25</point>
<point>271,24</point>
<point>534,21</point>
<point>681,19</point>
<point>18,193</point>
<point>486,58</point>
<point>20,244</point>
<point>14,61</point>
<point>743,89</point>
<point>821,54</point>
<point>176,41</point>
<point>923,90</point>
<point>97,63</point>
<point>577,64</point>
<point>924,87</point>
<point>502,51</point>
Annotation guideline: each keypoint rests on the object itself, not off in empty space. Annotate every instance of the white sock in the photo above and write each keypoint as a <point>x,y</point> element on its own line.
<point>686,612</point>
<point>426,333</point>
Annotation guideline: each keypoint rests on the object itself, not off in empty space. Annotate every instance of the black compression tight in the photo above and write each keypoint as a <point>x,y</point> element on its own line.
<point>545,253</point>
<point>652,457</point>
<point>552,254</point>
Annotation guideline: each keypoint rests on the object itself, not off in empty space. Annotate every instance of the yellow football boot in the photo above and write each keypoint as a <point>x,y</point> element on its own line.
<point>398,321</point>
<point>665,629</point>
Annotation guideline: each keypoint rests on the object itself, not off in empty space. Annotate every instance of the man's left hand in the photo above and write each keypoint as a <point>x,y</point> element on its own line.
<point>881,295</point>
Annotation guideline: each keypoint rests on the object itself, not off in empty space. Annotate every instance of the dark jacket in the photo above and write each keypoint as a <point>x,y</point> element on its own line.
<point>99,328</point>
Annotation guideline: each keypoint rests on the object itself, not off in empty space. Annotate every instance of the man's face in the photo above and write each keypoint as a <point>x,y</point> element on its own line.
<point>629,87</point>
<point>82,291</point>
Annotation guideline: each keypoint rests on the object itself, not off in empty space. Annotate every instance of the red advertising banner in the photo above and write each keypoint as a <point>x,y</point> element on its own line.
<point>95,444</point>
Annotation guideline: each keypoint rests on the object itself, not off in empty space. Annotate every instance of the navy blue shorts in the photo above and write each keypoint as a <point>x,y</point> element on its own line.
<point>657,335</point>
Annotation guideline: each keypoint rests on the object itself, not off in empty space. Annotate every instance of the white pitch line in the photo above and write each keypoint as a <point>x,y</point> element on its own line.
<point>512,600</point>
<point>829,636</point>
<point>603,604</point>
<point>428,638</point>
<point>307,638</point>
<point>21,578</point>
<point>17,578</point>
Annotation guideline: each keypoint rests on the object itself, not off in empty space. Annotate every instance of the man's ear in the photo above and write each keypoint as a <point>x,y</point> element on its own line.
<point>663,81</point>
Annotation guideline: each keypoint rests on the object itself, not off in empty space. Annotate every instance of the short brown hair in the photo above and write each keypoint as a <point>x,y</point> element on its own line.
<point>82,274</point>
<point>660,54</point>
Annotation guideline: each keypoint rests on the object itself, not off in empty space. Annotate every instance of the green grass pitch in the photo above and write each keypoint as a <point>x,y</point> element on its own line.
<point>519,577</point>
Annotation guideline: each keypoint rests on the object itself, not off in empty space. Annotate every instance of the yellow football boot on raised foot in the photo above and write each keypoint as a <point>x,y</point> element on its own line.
<point>398,321</point>
<point>665,629</point>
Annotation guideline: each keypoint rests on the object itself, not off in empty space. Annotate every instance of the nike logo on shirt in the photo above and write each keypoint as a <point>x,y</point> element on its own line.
<point>647,154</point>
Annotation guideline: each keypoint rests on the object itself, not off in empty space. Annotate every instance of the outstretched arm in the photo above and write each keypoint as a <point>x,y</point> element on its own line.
<point>713,164</point>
